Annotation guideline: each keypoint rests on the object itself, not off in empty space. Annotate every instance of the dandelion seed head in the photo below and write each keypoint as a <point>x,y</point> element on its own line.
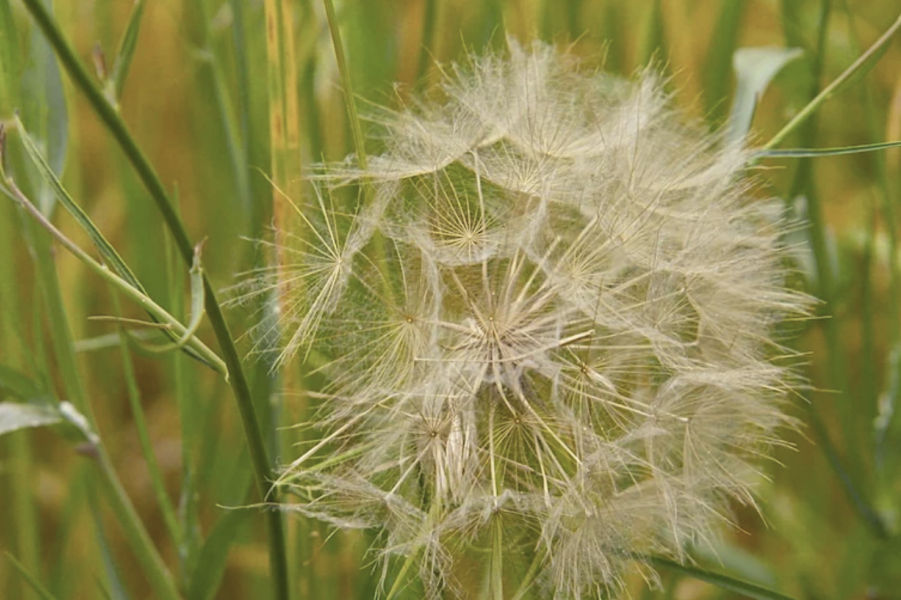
<point>553,319</point>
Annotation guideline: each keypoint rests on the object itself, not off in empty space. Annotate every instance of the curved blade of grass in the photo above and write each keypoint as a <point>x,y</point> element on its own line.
<point>859,67</point>
<point>754,68</point>
<point>33,581</point>
<point>352,116</point>
<point>745,588</point>
<point>126,51</point>
<point>820,152</point>
<point>112,120</point>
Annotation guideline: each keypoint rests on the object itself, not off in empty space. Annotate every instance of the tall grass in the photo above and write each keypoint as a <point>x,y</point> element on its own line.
<point>194,122</point>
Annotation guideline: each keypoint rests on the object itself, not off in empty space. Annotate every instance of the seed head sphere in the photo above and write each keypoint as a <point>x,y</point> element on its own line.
<point>548,332</point>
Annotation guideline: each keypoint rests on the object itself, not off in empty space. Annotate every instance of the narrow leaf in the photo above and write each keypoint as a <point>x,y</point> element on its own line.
<point>18,385</point>
<point>43,102</point>
<point>114,588</point>
<point>9,65</point>
<point>745,588</point>
<point>126,50</point>
<point>754,68</point>
<point>207,575</point>
<point>110,256</point>
<point>722,46</point>
<point>15,416</point>
<point>858,68</point>
<point>818,152</point>
<point>32,580</point>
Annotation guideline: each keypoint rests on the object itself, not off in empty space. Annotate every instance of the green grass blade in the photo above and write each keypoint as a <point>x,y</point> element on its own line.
<point>721,580</point>
<point>126,50</point>
<point>847,469</point>
<point>231,125</point>
<point>43,106</point>
<point>858,68</point>
<point>139,539</point>
<point>207,575</point>
<point>157,312</point>
<point>262,466</point>
<point>821,152</point>
<point>137,411</point>
<point>754,68</point>
<point>349,101</point>
<point>18,385</point>
<point>79,414</point>
<point>722,46</point>
<point>653,48</point>
<point>115,589</point>
<point>109,254</point>
<point>9,64</point>
<point>32,580</point>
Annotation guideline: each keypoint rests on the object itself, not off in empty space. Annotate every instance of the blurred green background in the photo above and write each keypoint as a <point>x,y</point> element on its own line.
<point>222,94</point>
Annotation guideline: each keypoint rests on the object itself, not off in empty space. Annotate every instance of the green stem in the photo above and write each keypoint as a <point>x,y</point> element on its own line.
<point>833,87</point>
<point>126,288</point>
<point>116,126</point>
<point>137,536</point>
<point>160,579</point>
<point>153,466</point>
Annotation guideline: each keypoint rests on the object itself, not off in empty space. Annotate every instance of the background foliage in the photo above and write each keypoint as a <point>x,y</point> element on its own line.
<point>220,94</point>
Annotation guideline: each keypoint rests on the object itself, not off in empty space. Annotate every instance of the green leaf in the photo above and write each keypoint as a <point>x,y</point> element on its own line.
<point>126,51</point>
<point>207,575</point>
<point>15,416</point>
<point>722,46</point>
<point>109,254</point>
<point>9,64</point>
<point>43,104</point>
<point>18,385</point>
<point>32,580</point>
<point>820,152</point>
<point>114,588</point>
<point>755,68</point>
<point>858,68</point>
<point>745,588</point>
